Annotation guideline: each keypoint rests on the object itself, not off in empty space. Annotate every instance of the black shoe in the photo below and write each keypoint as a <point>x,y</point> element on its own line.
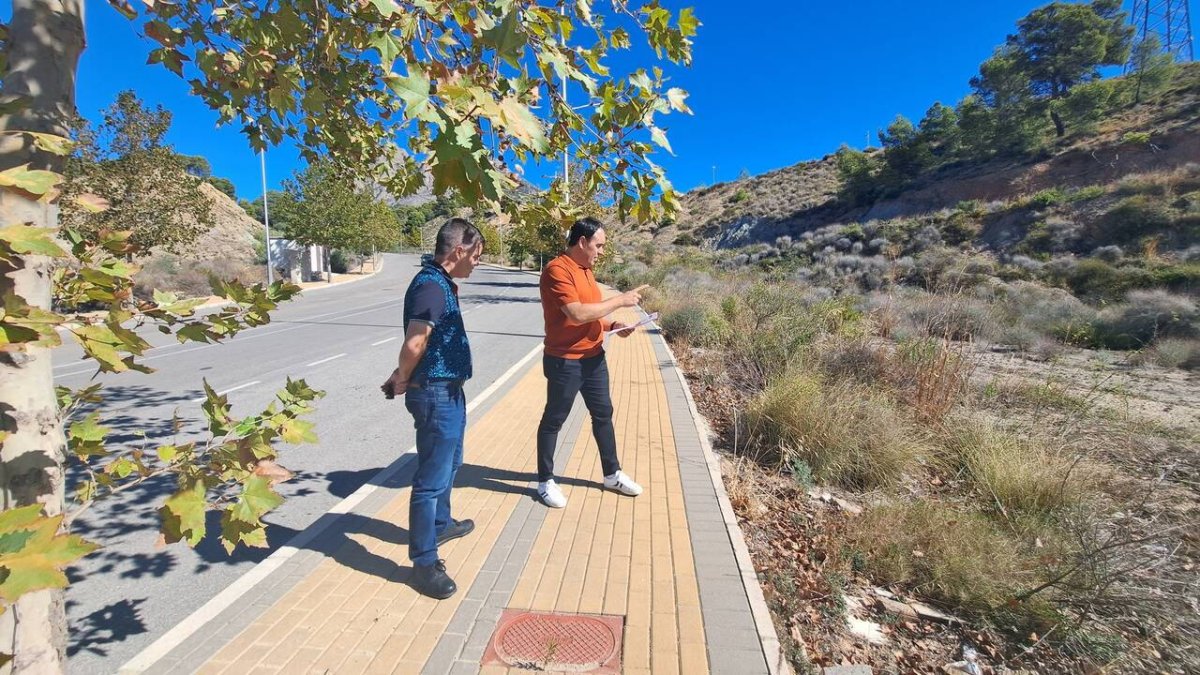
<point>456,529</point>
<point>433,581</point>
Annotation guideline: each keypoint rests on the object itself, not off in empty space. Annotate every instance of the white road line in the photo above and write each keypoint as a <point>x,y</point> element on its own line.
<point>223,600</point>
<point>244,337</point>
<point>222,393</point>
<point>376,344</point>
<point>317,363</point>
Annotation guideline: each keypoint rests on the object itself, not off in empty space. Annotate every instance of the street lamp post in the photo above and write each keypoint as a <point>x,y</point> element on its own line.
<point>262,154</point>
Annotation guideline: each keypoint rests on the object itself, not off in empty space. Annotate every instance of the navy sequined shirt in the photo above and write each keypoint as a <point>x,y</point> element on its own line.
<point>432,298</point>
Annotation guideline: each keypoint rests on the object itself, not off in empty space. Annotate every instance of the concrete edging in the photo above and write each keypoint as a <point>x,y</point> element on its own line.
<point>776,660</point>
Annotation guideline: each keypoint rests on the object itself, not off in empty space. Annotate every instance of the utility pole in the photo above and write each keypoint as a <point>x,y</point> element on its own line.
<point>262,155</point>
<point>714,180</point>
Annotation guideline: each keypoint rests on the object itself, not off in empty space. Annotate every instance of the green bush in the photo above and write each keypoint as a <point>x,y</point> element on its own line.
<point>1097,280</point>
<point>1131,219</point>
<point>1136,137</point>
<point>694,324</point>
<point>739,196</point>
<point>1086,193</point>
<point>972,207</point>
<point>1148,316</point>
<point>961,227</point>
<point>1047,198</point>
<point>338,263</point>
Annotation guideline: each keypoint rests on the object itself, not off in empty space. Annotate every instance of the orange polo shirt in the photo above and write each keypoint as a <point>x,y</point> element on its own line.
<point>565,281</point>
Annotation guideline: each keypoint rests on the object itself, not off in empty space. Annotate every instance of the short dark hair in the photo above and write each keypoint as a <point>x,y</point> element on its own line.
<point>456,232</point>
<point>584,227</point>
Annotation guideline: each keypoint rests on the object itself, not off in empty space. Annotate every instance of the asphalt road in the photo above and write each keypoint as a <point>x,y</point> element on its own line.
<point>342,339</point>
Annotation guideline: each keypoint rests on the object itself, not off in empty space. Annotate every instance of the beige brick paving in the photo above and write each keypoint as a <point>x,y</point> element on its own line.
<point>603,554</point>
<point>608,554</point>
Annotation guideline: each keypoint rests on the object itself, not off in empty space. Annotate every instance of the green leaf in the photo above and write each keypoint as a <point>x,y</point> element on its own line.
<point>256,500</point>
<point>86,437</point>
<point>297,431</point>
<point>688,23</point>
<point>33,553</point>
<point>11,542</point>
<point>53,144</point>
<point>183,515</point>
<point>520,121</point>
<point>289,23</point>
<point>26,239</point>
<point>389,48</point>
<point>33,181</point>
<point>386,7</point>
<point>414,91</point>
<point>507,38</point>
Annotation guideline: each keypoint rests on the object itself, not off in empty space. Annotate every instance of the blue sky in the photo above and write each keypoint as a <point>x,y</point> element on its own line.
<point>773,82</point>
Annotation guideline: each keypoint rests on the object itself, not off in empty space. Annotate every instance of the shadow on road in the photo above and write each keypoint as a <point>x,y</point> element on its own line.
<point>113,623</point>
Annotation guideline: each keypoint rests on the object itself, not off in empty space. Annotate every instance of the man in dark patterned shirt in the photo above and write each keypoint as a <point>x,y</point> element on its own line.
<point>435,361</point>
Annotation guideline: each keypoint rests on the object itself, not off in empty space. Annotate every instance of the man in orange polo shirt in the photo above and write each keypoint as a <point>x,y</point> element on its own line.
<point>574,356</point>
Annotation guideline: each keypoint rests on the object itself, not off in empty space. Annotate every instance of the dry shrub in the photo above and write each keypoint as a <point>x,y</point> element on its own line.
<point>858,358</point>
<point>1147,316</point>
<point>957,557</point>
<point>950,316</point>
<point>850,435</point>
<point>1172,353</point>
<point>1020,475</point>
<point>933,375</point>
<point>190,278</point>
<point>744,488</point>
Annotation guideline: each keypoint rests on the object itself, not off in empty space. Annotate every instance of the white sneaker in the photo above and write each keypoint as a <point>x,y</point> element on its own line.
<point>551,495</point>
<point>623,484</point>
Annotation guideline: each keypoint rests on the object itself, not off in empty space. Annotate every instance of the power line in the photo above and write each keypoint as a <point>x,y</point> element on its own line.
<point>1170,21</point>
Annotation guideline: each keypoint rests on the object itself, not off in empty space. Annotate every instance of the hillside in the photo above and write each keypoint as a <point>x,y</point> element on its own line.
<point>958,417</point>
<point>804,197</point>
<point>227,249</point>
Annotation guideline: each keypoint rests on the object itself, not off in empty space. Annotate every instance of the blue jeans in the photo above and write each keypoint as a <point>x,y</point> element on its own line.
<point>439,412</point>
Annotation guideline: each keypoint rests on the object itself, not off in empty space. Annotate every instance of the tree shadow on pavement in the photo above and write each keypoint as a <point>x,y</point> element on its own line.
<point>109,624</point>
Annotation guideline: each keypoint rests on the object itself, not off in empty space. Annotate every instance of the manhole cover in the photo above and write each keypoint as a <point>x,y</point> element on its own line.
<point>582,643</point>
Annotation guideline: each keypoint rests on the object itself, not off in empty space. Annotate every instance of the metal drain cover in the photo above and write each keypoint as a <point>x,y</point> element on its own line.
<point>581,643</point>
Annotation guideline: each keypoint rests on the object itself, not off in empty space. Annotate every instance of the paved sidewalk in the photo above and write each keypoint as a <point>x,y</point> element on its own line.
<point>670,563</point>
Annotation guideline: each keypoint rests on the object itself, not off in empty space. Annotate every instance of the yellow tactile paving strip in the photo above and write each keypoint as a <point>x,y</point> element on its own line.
<point>603,554</point>
<point>608,554</point>
<point>341,619</point>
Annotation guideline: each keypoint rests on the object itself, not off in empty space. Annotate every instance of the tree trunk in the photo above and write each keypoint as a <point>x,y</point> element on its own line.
<point>45,39</point>
<point>1060,129</point>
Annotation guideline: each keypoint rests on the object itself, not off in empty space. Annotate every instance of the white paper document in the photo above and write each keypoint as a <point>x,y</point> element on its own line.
<point>649,318</point>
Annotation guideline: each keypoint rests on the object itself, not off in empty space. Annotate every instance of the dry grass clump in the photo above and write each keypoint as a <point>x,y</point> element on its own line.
<point>1171,353</point>
<point>190,278</point>
<point>1019,474</point>
<point>954,556</point>
<point>850,435</point>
